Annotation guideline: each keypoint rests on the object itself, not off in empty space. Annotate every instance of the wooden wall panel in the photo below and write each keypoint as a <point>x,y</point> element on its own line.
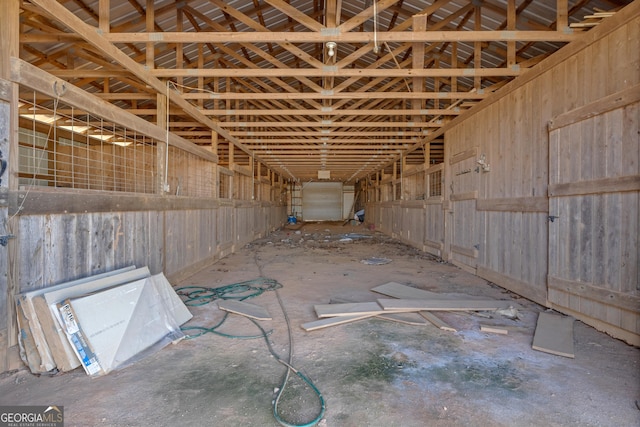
<point>62,247</point>
<point>594,269</point>
<point>512,213</point>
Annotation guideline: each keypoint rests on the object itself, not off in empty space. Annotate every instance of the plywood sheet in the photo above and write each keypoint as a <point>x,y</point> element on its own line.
<point>554,334</point>
<point>244,309</point>
<point>443,305</point>
<point>333,321</point>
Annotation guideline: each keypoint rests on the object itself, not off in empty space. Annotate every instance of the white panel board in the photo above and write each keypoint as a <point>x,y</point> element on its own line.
<point>322,201</point>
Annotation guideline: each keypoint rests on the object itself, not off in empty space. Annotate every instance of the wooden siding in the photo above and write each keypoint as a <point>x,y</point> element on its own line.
<point>594,197</point>
<point>59,247</point>
<point>497,218</point>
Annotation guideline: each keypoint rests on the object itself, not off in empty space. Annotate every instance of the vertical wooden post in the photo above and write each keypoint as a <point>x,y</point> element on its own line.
<point>179,49</point>
<point>162,151</point>
<point>200,79</point>
<point>150,18</point>
<point>562,19</point>
<point>454,65</point>
<point>417,53</point>
<point>9,285</point>
<point>215,174</point>
<point>477,46</point>
<point>231,167</point>
<point>104,9</point>
<point>511,25</point>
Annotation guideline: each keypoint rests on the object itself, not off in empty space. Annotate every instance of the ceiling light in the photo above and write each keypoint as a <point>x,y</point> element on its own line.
<point>331,46</point>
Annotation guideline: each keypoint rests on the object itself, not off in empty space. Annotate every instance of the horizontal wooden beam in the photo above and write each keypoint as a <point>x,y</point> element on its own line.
<point>43,201</point>
<point>327,123</point>
<point>344,37</point>
<point>596,292</point>
<point>514,204</point>
<point>602,105</point>
<point>328,133</point>
<point>299,95</point>
<point>328,71</point>
<point>328,111</point>
<point>338,95</point>
<point>596,186</point>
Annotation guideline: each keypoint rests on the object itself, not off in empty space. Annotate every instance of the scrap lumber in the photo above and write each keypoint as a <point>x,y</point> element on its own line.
<point>61,350</point>
<point>554,334</point>
<point>333,321</point>
<point>443,305</point>
<point>436,321</point>
<point>397,290</point>
<point>244,309</point>
<point>406,318</point>
<point>348,309</point>
<point>494,329</point>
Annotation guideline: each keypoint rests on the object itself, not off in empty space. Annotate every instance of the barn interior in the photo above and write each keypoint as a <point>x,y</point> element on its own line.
<point>493,143</point>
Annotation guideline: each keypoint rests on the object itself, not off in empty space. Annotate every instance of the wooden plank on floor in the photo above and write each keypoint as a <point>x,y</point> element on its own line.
<point>244,309</point>
<point>554,334</point>
<point>443,305</point>
<point>397,290</point>
<point>333,321</point>
<point>436,321</point>
<point>494,329</point>
<point>406,318</point>
<point>347,309</point>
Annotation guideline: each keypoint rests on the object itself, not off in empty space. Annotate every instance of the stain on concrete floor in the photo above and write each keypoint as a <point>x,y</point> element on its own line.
<point>371,373</point>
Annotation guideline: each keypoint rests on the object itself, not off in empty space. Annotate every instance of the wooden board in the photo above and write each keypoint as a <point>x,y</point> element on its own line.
<point>436,321</point>
<point>443,305</point>
<point>406,318</point>
<point>347,309</point>
<point>244,309</point>
<point>554,334</point>
<point>400,291</point>
<point>333,321</point>
<point>494,329</point>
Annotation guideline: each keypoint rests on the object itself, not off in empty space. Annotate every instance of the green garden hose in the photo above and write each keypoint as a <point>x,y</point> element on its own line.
<point>200,295</point>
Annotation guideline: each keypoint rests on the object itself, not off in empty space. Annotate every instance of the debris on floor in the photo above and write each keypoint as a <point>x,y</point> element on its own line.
<point>410,306</point>
<point>494,329</point>
<point>244,309</point>
<point>509,313</point>
<point>554,334</point>
<point>376,261</point>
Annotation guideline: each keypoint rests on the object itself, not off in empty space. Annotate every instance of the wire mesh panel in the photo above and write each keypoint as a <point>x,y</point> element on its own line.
<point>61,147</point>
<point>435,183</point>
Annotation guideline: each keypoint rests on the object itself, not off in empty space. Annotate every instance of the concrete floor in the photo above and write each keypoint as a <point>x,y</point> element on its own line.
<point>371,373</point>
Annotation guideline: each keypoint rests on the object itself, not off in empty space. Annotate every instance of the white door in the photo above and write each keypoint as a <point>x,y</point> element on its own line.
<point>322,201</point>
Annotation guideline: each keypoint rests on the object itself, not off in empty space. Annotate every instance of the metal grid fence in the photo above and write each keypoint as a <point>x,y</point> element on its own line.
<point>65,148</point>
